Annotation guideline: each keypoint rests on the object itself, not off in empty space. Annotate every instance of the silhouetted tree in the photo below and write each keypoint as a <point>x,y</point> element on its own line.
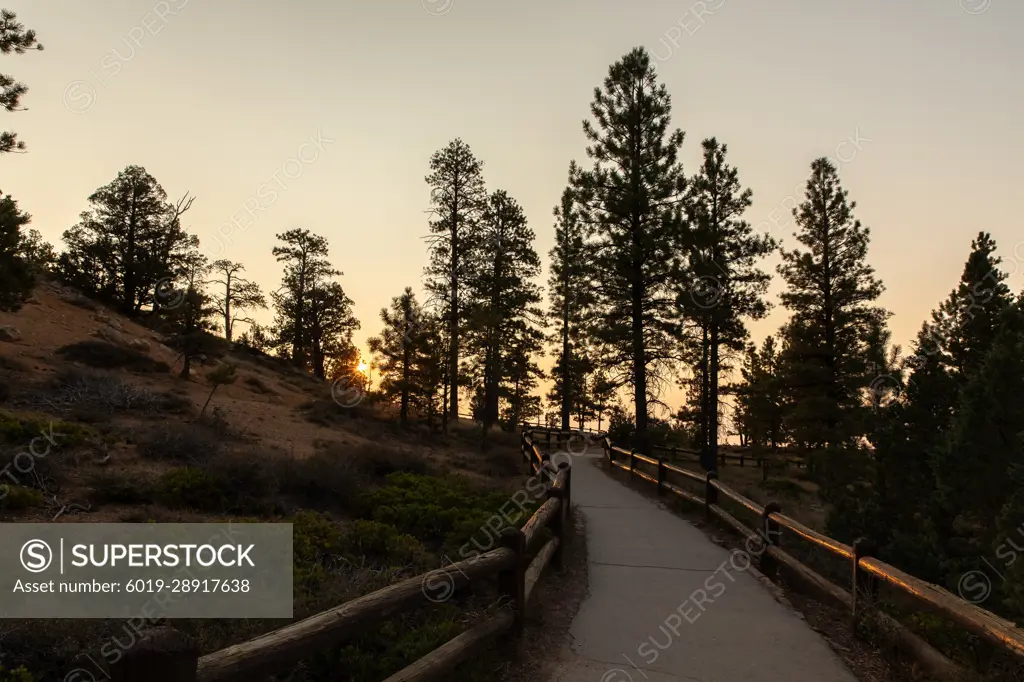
<point>457,198</point>
<point>239,294</point>
<point>192,312</point>
<point>724,285</point>
<point>129,246</point>
<point>401,346</point>
<point>571,291</point>
<point>16,274</point>
<point>13,38</point>
<point>633,200</point>
<point>831,292</point>
<point>502,296</point>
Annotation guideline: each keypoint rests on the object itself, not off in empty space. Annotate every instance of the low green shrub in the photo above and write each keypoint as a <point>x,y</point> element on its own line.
<point>22,429</point>
<point>440,511</point>
<point>114,487</point>
<point>192,488</point>
<point>382,543</point>
<point>249,484</point>
<point>316,540</point>
<point>17,497</point>
<point>19,674</point>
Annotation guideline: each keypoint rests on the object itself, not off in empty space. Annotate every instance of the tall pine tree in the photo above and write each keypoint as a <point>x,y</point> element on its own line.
<point>725,286</point>
<point>503,296</point>
<point>632,199</point>
<point>457,198</point>
<point>831,292</point>
<point>571,292</point>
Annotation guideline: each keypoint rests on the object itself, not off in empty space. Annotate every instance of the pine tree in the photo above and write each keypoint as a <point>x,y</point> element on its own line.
<point>602,393</point>
<point>457,198</point>
<point>984,455</point>
<point>503,296</point>
<point>632,199</point>
<point>761,398</point>
<point>313,321</point>
<point>257,338</point>
<point>13,38</point>
<point>401,347</point>
<point>429,398</point>
<point>239,294</point>
<point>130,243</point>
<point>331,322</point>
<point>191,313</point>
<point>912,455</point>
<point>831,292</point>
<point>521,375</point>
<point>16,276</point>
<point>725,285</point>
<point>571,293</point>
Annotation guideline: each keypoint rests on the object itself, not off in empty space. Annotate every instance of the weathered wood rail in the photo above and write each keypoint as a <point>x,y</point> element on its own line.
<point>765,540</point>
<point>736,456</point>
<point>167,655</point>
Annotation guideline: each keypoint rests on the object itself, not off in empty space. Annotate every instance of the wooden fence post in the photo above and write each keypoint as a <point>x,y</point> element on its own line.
<point>675,455</point>
<point>557,525</point>
<point>512,580</point>
<point>661,477</point>
<point>710,493</point>
<point>632,462</point>
<point>770,534</point>
<point>608,451</point>
<point>567,496</point>
<point>864,588</point>
<point>162,654</point>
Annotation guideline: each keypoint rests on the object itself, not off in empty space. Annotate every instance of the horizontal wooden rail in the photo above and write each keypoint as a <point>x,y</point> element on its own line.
<point>813,536</point>
<point>995,630</point>
<point>985,624</point>
<point>539,521</point>
<point>744,502</point>
<point>692,475</point>
<point>438,664</point>
<point>538,564</point>
<point>279,649</point>
<point>169,656</point>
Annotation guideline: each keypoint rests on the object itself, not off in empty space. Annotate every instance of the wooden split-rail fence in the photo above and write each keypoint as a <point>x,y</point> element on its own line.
<point>164,654</point>
<point>991,633</point>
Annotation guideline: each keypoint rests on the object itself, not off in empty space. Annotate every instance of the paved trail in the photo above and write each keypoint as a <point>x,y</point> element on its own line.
<point>666,603</point>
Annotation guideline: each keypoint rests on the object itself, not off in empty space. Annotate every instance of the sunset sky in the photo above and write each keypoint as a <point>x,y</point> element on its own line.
<point>920,102</point>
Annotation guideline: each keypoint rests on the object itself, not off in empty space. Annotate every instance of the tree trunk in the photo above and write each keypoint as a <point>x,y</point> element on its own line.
<point>639,370</point>
<point>707,461</point>
<point>566,351</point>
<point>444,403</point>
<point>227,308</point>
<point>404,417</point>
<point>453,322</point>
<point>713,399</point>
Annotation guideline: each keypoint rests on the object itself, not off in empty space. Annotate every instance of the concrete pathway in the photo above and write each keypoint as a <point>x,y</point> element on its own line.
<point>666,603</point>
